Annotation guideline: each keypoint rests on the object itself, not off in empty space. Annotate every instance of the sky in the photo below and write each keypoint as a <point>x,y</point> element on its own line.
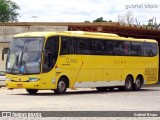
<point>86,10</point>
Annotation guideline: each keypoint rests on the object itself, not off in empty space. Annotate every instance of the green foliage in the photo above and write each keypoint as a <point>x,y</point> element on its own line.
<point>99,20</point>
<point>151,23</point>
<point>86,21</point>
<point>8,11</point>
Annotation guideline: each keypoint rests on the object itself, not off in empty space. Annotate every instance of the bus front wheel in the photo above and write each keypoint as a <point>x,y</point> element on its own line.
<point>61,86</point>
<point>32,91</point>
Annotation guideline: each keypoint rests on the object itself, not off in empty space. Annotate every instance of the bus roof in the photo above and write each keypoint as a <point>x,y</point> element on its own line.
<point>65,33</point>
<point>35,34</point>
<point>81,34</point>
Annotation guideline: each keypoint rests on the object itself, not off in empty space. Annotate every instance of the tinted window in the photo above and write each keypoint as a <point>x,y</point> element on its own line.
<point>51,53</point>
<point>66,45</point>
<point>98,47</point>
<point>154,48</point>
<point>150,49</point>
<point>109,48</point>
<point>119,47</point>
<point>137,49</point>
<point>84,46</point>
<point>127,48</point>
<point>116,47</point>
<point>147,49</point>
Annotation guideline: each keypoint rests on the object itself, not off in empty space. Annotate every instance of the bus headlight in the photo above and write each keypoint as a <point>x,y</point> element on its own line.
<point>33,79</point>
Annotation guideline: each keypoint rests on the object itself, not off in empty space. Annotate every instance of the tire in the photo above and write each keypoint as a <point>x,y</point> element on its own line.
<point>121,88</point>
<point>128,84</point>
<point>111,88</point>
<point>61,86</point>
<point>101,89</point>
<point>32,91</point>
<point>138,83</point>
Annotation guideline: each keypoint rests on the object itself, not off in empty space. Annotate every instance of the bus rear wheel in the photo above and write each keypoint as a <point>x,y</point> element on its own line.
<point>61,86</point>
<point>32,91</point>
<point>138,83</point>
<point>111,88</point>
<point>128,83</point>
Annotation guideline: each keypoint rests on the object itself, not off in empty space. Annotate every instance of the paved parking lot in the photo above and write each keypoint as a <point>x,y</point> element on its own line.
<point>82,99</point>
<point>147,99</point>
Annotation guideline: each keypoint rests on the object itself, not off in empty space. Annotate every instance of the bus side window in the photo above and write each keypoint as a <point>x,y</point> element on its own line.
<point>150,49</point>
<point>51,53</point>
<point>83,46</point>
<point>119,48</point>
<point>73,47</point>
<point>127,48</point>
<point>99,47</point>
<point>137,49</point>
<point>66,45</point>
<point>147,49</point>
<point>154,48</point>
<point>109,48</point>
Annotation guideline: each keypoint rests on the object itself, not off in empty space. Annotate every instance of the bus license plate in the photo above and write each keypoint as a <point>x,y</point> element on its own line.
<point>19,85</point>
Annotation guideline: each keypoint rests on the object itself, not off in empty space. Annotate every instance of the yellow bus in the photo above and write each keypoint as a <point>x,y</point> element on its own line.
<point>76,59</point>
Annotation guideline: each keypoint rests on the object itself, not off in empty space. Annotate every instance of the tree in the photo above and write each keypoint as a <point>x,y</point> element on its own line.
<point>152,23</point>
<point>128,18</point>
<point>8,11</point>
<point>99,20</point>
<point>121,19</point>
<point>86,21</point>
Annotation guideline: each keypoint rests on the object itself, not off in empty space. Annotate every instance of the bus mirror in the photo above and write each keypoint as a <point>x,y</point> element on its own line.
<point>4,51</point>
<point>2,56</point>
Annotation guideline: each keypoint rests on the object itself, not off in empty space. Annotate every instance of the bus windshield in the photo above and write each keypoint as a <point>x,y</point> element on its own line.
<point>24,56</point>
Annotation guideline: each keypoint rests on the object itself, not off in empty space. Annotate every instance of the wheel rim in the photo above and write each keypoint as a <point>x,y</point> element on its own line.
<point>128,84</point>
<point>138,83</point>
<point>61,86</point>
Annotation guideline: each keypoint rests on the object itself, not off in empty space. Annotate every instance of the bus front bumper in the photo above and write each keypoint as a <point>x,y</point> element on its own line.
<point>27,85</point>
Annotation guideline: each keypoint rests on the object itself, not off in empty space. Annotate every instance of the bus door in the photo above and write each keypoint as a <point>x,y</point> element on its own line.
<point>50,55</point>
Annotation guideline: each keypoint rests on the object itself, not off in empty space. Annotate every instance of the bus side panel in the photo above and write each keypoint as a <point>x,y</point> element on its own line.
<point>151,75</point>
<point>48,80</point>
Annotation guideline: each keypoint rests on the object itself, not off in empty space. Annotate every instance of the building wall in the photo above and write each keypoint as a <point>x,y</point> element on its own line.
<point>7,32</point>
